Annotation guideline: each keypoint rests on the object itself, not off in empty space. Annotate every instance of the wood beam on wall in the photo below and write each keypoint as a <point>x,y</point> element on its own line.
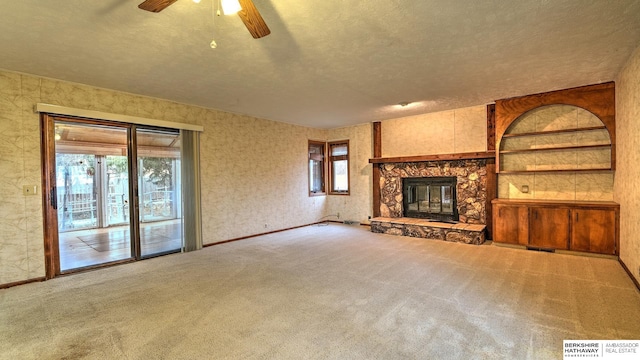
<point>377,153</point>
<point>492,193</point>
<point>491,127</point>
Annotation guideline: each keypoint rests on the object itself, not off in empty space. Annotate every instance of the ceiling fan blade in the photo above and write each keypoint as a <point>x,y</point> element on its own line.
<point>253,20</point>
<point>155,5</point>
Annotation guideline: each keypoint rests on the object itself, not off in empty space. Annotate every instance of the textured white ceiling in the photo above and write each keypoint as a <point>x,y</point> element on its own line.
<point>327,63</point>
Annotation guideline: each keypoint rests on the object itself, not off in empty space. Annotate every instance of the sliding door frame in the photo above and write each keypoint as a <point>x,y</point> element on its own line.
<point>191,215</point>
<point>50,196</point>
<point>134,204</point>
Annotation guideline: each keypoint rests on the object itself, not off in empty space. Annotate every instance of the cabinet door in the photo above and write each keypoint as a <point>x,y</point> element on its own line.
<point>510,224</point>
<point>549,228</point>
<point>593,230</point>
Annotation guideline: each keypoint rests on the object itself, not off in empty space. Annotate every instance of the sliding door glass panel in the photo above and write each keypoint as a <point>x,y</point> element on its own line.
<point>116,190</point>
<point>88,234</point>
<point>77,191</point>
<point>159,189</point>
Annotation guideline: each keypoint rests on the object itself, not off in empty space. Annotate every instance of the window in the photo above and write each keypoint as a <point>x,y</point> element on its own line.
<point>316,168</point>
<point>339,167</point>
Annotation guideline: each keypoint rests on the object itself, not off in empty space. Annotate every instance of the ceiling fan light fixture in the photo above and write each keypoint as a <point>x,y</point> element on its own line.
<point>230,7</point>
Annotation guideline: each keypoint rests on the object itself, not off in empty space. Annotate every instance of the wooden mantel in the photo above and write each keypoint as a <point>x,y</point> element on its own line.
<point>437,157</point>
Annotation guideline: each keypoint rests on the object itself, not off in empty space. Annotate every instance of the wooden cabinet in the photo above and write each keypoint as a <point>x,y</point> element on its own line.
<point>511,224</point>
<point>560,225</point>
<point>592,230</point>
<point>549,227</point>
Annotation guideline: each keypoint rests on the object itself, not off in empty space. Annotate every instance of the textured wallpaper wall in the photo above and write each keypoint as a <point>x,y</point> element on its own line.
<point>359,204</point>
<point>627,182</point>
<point>21,239</point>
<point>254,177</point>
<point>254,171</point>
<point>445,132</point>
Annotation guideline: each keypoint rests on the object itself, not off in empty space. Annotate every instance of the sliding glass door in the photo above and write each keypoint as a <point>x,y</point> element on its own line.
<point>113,192</point>
<point>159,185</point>
<point>91,172</point>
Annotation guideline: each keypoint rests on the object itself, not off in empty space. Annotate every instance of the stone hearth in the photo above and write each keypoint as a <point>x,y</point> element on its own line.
<point>466,233</point>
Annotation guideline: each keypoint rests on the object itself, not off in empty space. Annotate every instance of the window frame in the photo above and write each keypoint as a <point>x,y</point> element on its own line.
<point>323,167</point>
<point>331,159</point>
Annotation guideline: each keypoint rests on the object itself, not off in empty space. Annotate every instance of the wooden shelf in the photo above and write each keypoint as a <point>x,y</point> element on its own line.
<point>555,203</point>
<point>437,157</point>
<point>554,171</point>
<point>575,147</point>
<point>573,130</point>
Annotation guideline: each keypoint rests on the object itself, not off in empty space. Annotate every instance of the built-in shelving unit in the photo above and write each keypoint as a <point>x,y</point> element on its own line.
<point>554,146</point>
<point>553,149</point>
<point>538,149</point>
<point>555,155</point>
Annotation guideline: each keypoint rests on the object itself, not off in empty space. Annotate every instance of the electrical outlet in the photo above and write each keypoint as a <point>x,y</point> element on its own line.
<point>266,226</point>
<point>338,215</point>
<point>29,189</point>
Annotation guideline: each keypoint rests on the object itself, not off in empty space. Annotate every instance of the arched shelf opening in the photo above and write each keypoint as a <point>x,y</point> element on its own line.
<point>555,138</point>
<point>570,130</point>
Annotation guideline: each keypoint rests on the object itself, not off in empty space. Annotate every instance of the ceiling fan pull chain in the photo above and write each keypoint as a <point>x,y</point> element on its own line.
<point>213,43</point>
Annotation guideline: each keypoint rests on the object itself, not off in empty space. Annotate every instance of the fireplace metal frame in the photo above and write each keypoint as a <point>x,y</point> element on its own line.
<point>431,180</point>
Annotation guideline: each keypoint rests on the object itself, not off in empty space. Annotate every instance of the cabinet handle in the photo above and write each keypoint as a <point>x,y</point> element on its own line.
<point>577,216</point>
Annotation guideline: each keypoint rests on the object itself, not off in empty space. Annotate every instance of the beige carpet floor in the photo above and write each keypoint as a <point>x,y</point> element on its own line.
<point>325,292</point>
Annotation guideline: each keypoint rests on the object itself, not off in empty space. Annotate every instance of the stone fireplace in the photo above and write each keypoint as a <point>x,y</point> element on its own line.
<point>471,186</point>
<point>441,199</point>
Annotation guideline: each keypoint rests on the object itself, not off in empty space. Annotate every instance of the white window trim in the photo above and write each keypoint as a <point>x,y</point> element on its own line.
<point>93,114</point>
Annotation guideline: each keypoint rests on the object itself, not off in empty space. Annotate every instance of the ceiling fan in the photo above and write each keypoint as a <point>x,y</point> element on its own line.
<point>249,15</point>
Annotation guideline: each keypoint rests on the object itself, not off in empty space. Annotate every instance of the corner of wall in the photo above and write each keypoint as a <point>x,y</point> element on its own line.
<point>626,181</point>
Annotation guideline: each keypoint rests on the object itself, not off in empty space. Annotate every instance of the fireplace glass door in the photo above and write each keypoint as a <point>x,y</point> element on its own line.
<point>435,199</point>
<point>432,198</point>
<point>446,203</point>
